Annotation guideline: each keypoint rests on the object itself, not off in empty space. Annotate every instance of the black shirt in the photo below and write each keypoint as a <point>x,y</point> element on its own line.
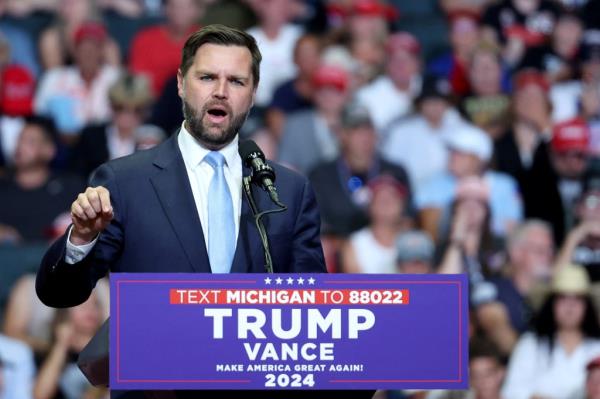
<point>32,212</point>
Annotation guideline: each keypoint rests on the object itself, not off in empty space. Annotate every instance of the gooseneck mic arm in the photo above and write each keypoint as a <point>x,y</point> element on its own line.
<point>264,176</point>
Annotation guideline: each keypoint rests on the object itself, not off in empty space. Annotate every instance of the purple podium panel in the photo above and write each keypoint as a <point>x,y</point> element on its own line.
<point>288,331</point>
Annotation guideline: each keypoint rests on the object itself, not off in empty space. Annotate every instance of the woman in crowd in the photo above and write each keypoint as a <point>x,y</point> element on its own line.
<point>550,362</point>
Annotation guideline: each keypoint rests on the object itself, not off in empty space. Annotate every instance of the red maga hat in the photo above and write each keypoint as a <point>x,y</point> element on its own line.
<point>531,76</point>
<point>331,75</point>
<point>570,135</point>
<point>374,8</point>
<point>90,30</point>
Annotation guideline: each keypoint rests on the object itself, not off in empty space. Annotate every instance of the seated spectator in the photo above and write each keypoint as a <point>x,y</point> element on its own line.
<point>75,96</point>
<point>57,43</point>
<point>531,123</point>
<point>486,105</point>
<point>418,143</point>
<point>310,137</point>
<point>366,23</point>
<point>33,195</point>
<point>558,60</point>
<point>390,96</point>
<point>592,381</point>
<point>73,329</point>
<point>551,360</point>
<point>295,94</point>
<point>340,185</point>
<point>470,245</point>
<point>553,183</point>
<point>156,50</point>
<point>130,99</point>
<point>508,313</point>
<point>373,248</point>
<point>414,253</point>
<point>276,37</point>
<point>17,370</point>
<point>486,371</point>
<point>470,152</point>
<point>464,37</point>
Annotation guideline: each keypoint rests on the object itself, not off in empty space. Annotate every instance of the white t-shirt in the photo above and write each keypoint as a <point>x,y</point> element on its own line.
<point>277,64</point>
<point>385,102</point>
<point>371,256</point>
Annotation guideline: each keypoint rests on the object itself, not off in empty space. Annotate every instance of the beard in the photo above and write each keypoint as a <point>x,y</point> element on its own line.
<point>201,131</point>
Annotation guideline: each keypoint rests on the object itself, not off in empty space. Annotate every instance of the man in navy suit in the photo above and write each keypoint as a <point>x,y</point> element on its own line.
<point>151,212</point>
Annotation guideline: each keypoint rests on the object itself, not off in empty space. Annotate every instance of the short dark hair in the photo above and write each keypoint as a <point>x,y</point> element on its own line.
<point>46,125</point>
<point>224,36</point>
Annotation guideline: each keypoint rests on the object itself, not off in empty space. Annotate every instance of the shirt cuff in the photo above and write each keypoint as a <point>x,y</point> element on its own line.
<point>75,253</point>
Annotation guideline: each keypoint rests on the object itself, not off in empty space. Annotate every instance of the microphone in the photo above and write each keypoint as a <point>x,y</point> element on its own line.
<point>262,173</point>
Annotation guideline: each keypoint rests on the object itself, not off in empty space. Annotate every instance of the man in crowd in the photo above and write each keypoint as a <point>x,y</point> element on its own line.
<point>553,183</point>
<point>33,196</point>
<point>341,184</point>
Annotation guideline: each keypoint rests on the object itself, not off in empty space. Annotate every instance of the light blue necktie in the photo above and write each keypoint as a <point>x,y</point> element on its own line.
<point>221,226</point>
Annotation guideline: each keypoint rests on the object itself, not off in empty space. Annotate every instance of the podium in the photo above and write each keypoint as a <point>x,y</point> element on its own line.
<point>282,332</point>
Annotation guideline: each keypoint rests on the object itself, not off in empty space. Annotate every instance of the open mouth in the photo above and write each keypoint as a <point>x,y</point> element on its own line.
<point>216,114</point>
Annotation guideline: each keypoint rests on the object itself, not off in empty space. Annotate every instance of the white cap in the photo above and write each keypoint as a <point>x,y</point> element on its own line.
<point>472,140</point>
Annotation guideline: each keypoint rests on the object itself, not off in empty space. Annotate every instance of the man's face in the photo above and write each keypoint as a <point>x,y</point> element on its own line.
<point>533,254</point>
<point>88,55</point>
<point>359,143</point>
<point>402,67</point>
<point>570,164</point>
<point>485,74</point>
<point>217,93</point>
<point>33,148</point>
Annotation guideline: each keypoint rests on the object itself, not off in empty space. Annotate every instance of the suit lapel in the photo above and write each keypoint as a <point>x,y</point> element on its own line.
<point>175,194</point>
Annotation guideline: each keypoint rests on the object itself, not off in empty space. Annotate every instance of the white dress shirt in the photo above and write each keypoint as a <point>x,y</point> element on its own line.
<point>200,174</point>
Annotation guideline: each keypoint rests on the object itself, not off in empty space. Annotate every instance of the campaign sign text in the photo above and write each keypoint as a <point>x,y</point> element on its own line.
<point>288,331</point>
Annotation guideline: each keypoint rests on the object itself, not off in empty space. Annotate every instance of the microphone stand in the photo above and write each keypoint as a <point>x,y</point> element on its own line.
<point>259,224</point>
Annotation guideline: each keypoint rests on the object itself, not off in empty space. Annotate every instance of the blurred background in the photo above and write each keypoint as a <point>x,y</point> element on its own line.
<point>450,136</point>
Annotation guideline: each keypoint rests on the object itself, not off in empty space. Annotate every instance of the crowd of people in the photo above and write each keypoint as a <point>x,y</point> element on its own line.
<point>452,136</point>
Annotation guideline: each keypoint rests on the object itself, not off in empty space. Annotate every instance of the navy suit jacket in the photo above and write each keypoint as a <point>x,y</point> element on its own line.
<point>156,228</point>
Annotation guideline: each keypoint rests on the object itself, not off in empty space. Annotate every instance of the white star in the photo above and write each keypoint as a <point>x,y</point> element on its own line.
<point>268,280</point>
<point>290,281</point>
<point>311,281</point>
<point>278,280</point>
<point>300,281</point>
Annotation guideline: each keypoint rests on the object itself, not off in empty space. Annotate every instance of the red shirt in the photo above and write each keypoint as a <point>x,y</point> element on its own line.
<point>157,54</point>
